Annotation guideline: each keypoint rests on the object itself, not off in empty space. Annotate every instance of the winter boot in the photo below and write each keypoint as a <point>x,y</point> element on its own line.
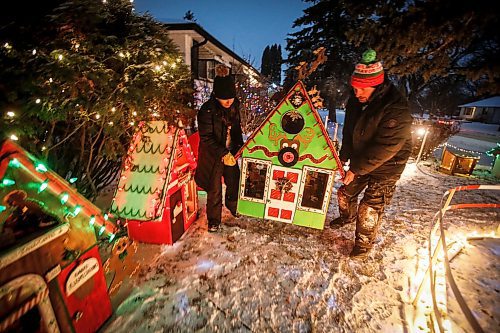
<point>213,226</point>
<point>340,221</point>
<point>366,227</point>
<point>347,209</point>
<point>231,205</point>
<point>359,252</point>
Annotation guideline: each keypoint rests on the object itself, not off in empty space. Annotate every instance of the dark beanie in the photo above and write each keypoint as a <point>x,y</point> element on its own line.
<point>223,83</point>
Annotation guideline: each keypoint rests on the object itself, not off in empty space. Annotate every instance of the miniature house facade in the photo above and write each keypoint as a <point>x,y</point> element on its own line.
<point>457,164</point>
<point>288,165</point>
<point>156,192</point>
<point>48,254</point>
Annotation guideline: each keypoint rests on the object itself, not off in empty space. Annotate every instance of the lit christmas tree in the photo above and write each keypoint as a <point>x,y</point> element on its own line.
<point>80,80</point>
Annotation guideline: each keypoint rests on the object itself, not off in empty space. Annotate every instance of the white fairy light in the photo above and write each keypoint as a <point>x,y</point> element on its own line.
<point>113,109</point>
<point>134,113</point>
<point>121,54</point>
<point>60,57</point>
<point>38,100</point>
<point>11,114</point>
<point>97,116</point>
<point>14,137</point>
<point>50,80</point>
<point>33,52</point>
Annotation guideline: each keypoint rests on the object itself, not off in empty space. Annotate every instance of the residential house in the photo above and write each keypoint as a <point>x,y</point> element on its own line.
<point>485,110</point>
<point>202,52</point>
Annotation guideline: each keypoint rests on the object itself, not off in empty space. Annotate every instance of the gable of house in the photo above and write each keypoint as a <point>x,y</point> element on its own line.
<point>293,125</point>
<point>156,149</point>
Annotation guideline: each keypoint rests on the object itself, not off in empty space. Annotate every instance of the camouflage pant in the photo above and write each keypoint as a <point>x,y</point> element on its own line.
<point>379,189</point>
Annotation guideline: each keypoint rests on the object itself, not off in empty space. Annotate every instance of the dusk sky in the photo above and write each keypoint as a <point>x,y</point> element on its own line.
<point>246,27</point>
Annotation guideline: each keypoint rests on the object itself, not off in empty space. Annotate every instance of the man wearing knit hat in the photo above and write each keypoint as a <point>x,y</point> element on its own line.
<point>377,141</point>
<point>220,138</point>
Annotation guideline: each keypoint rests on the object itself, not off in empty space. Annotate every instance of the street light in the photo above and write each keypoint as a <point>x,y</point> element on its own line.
<point>422,131</point>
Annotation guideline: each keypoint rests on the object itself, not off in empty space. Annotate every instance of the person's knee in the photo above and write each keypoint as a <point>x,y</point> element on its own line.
<point>379,195</point>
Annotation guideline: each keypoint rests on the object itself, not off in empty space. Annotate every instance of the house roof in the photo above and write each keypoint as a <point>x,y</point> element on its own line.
<point>146,173</point>
<point>17,163</point>
<point>491,102</point>
<point>202,32</point>
<point>317,128</point>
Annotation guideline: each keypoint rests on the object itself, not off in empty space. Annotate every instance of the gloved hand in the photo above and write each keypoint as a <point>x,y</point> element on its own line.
<point>229,160</point>
<point>346,165</point>
<point>349,177</point>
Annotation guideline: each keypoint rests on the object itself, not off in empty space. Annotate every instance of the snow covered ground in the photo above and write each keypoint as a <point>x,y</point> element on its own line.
<point>262,276</point>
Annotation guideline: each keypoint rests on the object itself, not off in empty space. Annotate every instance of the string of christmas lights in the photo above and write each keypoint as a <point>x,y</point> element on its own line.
<point>71,204</point>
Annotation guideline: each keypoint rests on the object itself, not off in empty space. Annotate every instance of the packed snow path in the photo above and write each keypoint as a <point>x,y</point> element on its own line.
<point>263,276</point>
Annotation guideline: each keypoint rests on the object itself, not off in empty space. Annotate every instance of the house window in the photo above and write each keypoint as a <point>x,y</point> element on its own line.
<point>315,189</point>
<point>292,122</point>
<point>255,174</point>
<point>469,111</point>
<point>206,69</point>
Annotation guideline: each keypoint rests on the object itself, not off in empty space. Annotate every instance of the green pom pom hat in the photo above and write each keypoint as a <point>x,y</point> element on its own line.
<point>368,73</point>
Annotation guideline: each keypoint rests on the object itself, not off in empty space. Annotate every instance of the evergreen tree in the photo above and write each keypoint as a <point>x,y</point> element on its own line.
<point>420,43</point>
<point>433,38</point>
<point>324,24</point>
<point>265,67</point>
<point>276,61</point>
<point>80,78</point>
<point>189,16</point>
<point>271,63</point>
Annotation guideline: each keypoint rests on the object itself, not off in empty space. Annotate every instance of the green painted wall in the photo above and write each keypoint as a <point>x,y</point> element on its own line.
<point>267,142</point>
<point>309,219</point>
<point>250,208</point>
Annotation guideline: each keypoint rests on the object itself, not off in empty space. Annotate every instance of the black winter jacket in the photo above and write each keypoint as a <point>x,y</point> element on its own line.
<point>213,121</point>
<point>378,136</point>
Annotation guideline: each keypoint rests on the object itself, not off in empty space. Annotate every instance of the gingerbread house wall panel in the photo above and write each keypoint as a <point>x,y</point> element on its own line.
<point>153,194</point>
<point>288,165</point>
<point>45,225</point>
<point>142,180</point>
<point>82,285</point>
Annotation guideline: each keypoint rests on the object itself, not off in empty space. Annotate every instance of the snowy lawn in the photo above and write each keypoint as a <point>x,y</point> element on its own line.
<point>263,276</point>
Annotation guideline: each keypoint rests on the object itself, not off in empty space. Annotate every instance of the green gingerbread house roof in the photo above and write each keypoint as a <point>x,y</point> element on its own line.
<point>293,123</point>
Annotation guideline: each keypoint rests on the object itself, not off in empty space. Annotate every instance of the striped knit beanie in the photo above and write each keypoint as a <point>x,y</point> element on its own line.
<point>368,73</point>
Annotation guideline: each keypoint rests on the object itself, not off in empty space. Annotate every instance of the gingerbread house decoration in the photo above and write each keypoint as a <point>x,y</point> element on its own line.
<point>156,192</point>
<point>457,163</point>
<point>51,274</point>
<point>288,165</point>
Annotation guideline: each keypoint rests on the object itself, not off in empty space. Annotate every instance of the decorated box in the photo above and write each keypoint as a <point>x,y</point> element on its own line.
<point>288,165</point>
<point>156,193</point>
<point>50,269</point>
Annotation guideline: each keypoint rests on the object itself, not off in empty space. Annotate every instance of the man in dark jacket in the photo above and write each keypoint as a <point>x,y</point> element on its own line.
<point>220,139</point>
<point>377,141</point>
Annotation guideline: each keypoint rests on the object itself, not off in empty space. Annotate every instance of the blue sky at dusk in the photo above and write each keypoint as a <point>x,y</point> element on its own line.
<point>246,27</point>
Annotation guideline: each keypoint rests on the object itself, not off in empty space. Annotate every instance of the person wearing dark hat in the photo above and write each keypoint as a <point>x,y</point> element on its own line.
<point>220,139</point>
<point>377,142</point>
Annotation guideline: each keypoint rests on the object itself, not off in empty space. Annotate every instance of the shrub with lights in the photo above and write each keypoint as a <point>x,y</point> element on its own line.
<point>80,79</point>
